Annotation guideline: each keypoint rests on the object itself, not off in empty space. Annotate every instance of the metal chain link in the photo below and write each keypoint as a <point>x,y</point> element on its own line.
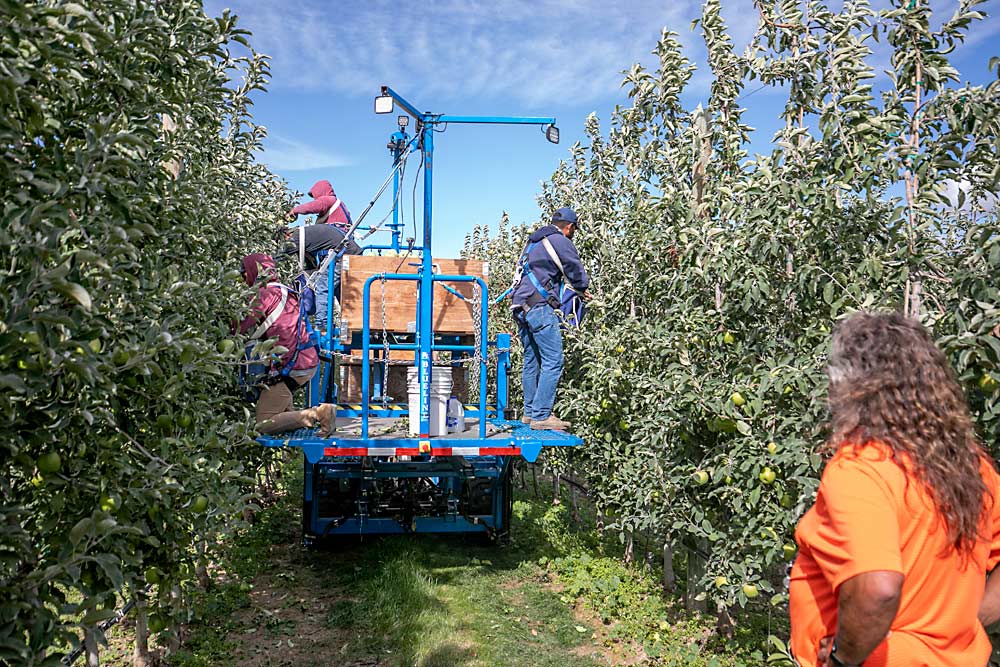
<point>477,323</point>
<point>385,348</point>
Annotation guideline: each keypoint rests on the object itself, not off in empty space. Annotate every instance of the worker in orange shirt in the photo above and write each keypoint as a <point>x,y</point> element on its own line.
<point>893,556</point>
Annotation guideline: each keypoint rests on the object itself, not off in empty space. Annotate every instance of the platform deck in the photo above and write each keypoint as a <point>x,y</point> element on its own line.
<point>503,438</point>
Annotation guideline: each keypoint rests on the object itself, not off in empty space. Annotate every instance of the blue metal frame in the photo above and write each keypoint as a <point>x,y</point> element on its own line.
<point>446,477</point>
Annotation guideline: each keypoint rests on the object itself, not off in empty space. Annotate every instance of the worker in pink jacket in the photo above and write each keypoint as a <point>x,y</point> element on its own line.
<point>274,313</point>
<point>325,205</point>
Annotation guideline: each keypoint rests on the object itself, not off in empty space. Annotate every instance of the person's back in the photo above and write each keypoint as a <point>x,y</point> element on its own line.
<point>325,205</point>
<point>866,495</point>
<point>548,274</point>
<point>286,327</point>
<point>317,238</point>
<point>549,260</point>
<point>894,553</point>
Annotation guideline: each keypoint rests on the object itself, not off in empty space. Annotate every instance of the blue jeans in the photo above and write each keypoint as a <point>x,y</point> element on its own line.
<point>323,293</point>
<point>543,358</point>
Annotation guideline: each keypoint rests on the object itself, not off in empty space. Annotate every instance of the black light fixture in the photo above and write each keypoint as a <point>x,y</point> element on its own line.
<point>552,134</point>
<point>383,104</point>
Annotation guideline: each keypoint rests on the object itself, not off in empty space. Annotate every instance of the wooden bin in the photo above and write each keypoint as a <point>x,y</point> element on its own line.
<point>350,387</point>
<point>451,315</point>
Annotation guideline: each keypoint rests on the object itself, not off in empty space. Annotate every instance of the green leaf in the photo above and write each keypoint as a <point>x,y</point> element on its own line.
<point>77,293</point>
<point>13,382</point>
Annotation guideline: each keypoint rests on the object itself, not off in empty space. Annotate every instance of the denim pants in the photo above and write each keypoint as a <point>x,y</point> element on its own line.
<point>541,338</point>
<point>323,293</point>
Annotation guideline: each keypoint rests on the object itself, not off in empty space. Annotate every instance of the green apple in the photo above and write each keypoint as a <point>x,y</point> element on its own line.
<point>767,476</point>
<point>49,463</point>
<point>750,591</point>
<point>199,505</point>
<point>108,504</point>
<point>737,399</point>
<point>701,477</point>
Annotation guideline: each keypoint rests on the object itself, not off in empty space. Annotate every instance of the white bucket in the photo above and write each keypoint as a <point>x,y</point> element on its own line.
<point>440,390</point>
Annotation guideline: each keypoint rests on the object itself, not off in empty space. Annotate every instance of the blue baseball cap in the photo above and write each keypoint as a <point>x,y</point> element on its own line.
<point>565,214</point>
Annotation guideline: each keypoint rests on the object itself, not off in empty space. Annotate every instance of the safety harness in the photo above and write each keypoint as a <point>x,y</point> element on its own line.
<point>567,302</point>
<point>326,216</point>
<point>260,370</point>
<point>524,269</point>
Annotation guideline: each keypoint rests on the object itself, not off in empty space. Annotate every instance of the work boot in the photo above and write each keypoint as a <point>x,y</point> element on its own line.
<point>325,416</point>
<point>550,423</point>
<point>525,419</point>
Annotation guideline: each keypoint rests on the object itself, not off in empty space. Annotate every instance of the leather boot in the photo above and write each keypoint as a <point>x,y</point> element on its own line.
<point>551,423</point>
<point>325,416</point>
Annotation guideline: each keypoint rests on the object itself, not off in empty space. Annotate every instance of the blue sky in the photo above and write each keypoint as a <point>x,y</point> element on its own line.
<point>559,58</point>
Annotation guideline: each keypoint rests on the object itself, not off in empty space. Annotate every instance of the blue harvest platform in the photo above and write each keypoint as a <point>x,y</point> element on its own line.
<point>508,438</point>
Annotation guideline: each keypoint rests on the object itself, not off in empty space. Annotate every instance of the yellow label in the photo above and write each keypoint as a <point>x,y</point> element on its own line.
<point>425,446</point>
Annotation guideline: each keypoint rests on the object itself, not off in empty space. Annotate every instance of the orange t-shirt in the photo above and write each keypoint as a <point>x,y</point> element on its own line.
<point>871,514</point>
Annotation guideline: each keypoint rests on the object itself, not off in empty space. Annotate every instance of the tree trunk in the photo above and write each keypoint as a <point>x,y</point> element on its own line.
<point>724,623</point>
<point>174,638</point>
<point>629,548</point>
<point>172,166</point>
<point>92,650</point>
<point>575,516</point>
<point>695,572</point>
<point>201,567</point>
<point>669,580</point>
<point>140,654</point>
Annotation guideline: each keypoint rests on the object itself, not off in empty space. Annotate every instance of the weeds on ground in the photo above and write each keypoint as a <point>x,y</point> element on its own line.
<point>451,601</point>
<point>214,635</point>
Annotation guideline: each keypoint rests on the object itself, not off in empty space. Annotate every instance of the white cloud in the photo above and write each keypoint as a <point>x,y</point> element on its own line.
<point>982,201</point>
<point>532,51</point>
<point>283,154</point>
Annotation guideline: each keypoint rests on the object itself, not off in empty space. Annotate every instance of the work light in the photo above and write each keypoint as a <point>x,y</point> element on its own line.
<point>402,121</point>
<point>552,134</point>
<point>383,104</point>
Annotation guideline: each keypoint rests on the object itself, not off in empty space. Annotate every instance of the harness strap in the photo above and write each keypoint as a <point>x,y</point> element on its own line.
<point>331,211</point>
<point>273,316</point>
<point>302,247</point>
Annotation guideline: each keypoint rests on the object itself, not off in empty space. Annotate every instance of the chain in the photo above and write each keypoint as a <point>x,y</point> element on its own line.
<point>409,362</point>
<point>477,323</point>
<point>385,348</point>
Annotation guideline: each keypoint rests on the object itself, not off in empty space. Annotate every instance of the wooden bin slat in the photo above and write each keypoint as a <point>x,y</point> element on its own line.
<point>451,314</point>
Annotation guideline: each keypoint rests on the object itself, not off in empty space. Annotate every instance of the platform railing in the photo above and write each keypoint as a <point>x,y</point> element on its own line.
<point>422,345</point>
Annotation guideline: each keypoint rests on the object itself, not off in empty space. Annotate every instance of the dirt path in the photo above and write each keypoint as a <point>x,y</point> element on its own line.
<point>393,602</point>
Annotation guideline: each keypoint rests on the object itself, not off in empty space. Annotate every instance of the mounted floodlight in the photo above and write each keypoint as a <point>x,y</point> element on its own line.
<point>402,121</point>
<point>552,134</point>
<point>383,104</point>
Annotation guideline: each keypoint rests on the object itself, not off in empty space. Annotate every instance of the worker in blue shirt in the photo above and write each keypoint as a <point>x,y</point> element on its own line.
<point>549,261</point>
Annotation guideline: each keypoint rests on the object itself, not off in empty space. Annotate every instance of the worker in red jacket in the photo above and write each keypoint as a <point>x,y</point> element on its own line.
<point>325,205</point>
<point>274,313</point>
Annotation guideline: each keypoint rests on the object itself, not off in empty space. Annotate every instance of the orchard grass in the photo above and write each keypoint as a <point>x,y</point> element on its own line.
<point>558,591</point>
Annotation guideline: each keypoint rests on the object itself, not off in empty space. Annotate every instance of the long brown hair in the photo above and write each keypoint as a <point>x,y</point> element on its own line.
<point>890,383</point>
